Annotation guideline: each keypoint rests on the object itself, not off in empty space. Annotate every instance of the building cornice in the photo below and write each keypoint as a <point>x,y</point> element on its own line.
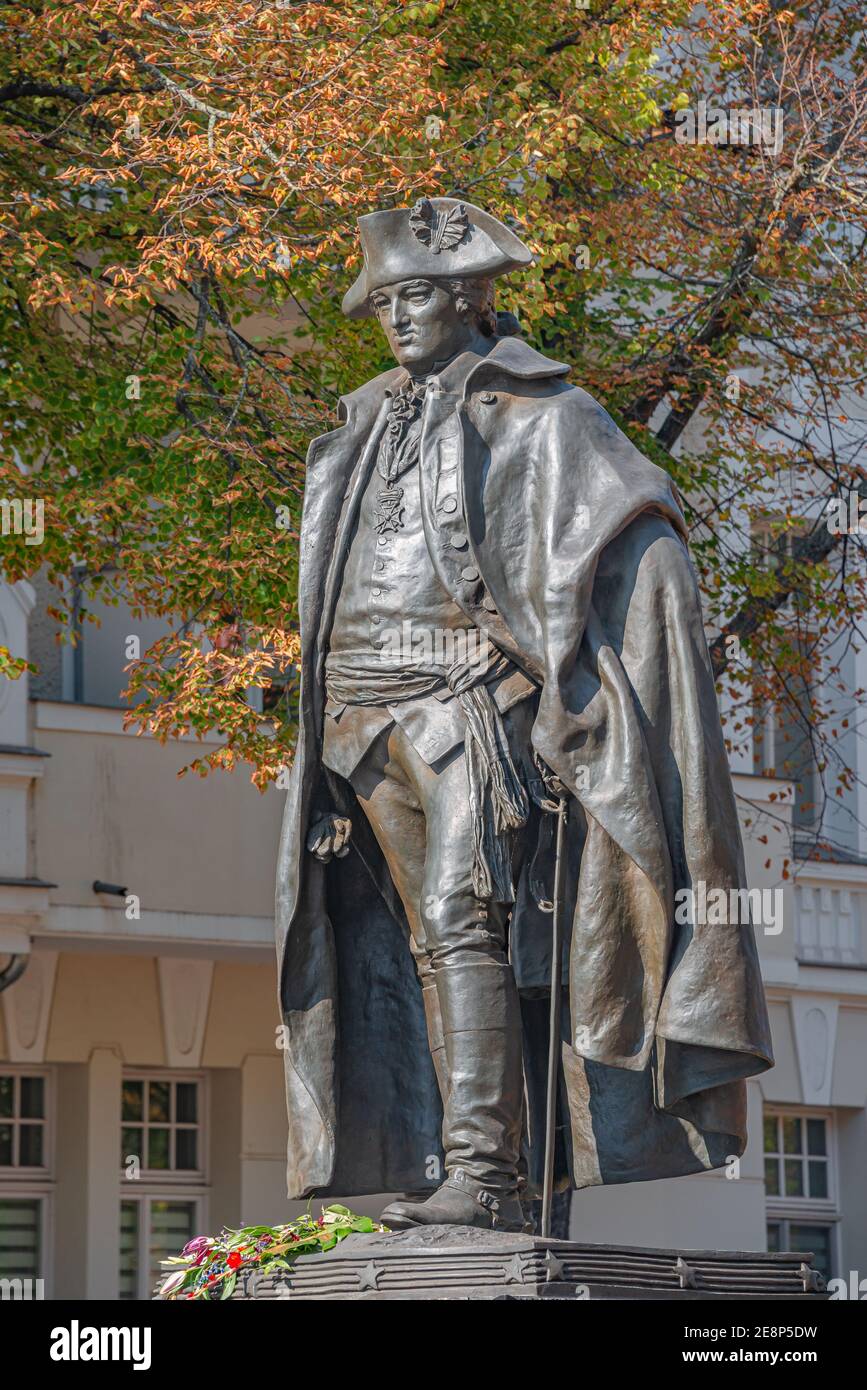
<point>66,716</point>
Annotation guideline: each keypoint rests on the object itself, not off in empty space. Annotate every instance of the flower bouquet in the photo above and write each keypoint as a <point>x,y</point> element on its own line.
<point>209,1265</point>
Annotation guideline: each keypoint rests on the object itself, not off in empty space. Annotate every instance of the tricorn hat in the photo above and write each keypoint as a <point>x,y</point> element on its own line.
<point>435,239</point>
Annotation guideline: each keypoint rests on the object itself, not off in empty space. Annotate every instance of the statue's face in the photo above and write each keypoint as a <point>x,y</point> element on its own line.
<point>422,324</point>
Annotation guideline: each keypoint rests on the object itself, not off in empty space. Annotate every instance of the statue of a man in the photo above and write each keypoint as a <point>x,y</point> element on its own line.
<point>497,609</point>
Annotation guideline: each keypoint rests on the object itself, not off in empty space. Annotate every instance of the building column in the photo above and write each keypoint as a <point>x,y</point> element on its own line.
<point>87,1214</point>
<point>263,1141</point>
<point>224,1131</point>
<point>103,1172</point>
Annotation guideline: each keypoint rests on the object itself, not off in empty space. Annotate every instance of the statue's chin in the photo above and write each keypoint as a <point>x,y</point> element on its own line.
<point>419,362</point>
<point>413,358</point>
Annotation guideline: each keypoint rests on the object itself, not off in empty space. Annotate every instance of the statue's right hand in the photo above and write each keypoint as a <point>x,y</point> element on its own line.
<point>330,835</point>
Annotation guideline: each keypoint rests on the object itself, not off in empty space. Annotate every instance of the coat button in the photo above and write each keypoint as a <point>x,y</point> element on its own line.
<point>488,604</point>
<point>459,540</point>
<point>449,504</point>
<point>487,398</point>
<point>469,573</point>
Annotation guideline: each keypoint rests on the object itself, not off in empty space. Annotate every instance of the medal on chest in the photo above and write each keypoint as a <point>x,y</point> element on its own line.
<point>388,515</point>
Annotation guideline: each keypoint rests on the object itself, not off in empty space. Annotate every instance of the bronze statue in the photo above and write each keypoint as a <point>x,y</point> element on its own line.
<point>499,623</point>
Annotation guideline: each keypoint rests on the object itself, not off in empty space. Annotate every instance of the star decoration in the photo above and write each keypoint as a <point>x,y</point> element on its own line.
<point>515,1269</point>
<point>369,1277</point>
<point>553,1268</point>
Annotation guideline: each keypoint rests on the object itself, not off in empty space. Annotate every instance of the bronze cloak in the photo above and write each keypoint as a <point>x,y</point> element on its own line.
<point>585,582</point>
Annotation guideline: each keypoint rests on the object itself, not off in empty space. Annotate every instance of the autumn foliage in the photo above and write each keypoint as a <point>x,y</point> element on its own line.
<point>179,189</point>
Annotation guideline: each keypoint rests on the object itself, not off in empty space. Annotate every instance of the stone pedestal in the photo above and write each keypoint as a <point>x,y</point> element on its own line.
<point>445,1262</point>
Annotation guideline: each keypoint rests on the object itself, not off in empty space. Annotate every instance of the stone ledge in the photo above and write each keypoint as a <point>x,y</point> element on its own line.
<point>447,1262</point>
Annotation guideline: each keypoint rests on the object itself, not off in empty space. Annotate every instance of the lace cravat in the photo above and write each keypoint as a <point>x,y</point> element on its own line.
<point>398,453</point>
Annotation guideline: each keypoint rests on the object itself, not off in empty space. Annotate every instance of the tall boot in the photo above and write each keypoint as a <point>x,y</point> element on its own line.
<point>482,1117</point>
<point>436,1041</point>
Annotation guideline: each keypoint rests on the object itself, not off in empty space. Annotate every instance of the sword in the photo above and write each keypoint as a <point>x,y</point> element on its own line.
<point>562,812</point>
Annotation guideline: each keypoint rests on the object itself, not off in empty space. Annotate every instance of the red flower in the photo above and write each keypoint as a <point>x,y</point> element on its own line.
<point>235,1259</point>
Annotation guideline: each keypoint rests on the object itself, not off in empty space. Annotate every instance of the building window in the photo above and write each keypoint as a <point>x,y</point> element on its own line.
<point>161,1129</point>
<point>162,1191</point>
<point>151,1229</point>
<point>24,1171</point>
<point>93,669</point>
<point>21,1228</point>
<point>22,1121</point>
<point>816,1238</point>
<point>784,731</point>
<point>800,1185</point>
<point>796,1157</point>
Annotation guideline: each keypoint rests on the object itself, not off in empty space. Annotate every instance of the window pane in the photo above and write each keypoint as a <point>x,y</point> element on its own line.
<point>158,1100</point>
<point>185,1102</point>
<point>19,1238</point>
<point>30,1146</point>
<point>129,1249</point>
<point>186,1148</point>
<point>772,1177</point>
<point>794,1177</point>
<point>32,1097</point>
<point>132,1103</point>
<point>816,1137</point>
<point>818,1176</point>
<point>773,1237</point>
<point>5,1146</point>
<point>158,1148</point>
<point>770,1129</point>
<point>792,1135</point>
<point>171,1228</point>
<point>794,753</point>
<point>818,1240</point>
<point>131,1146</point>
<point>7,1087</point>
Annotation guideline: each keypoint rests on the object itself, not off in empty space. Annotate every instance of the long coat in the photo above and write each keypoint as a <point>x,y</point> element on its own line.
<point>584,581</point>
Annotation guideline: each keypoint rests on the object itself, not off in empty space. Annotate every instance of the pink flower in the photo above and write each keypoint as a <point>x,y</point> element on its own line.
<point>197,1246</point>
